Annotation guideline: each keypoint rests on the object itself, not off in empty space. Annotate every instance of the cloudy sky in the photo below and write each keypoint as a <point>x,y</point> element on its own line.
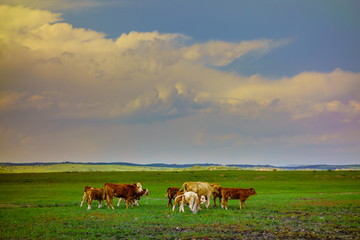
<point>200,81</point>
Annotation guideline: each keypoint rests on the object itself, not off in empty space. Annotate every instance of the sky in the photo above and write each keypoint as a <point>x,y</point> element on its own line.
<point>200,81</point>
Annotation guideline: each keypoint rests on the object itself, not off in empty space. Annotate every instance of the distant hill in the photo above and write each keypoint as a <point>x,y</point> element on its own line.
<point>123,166</point>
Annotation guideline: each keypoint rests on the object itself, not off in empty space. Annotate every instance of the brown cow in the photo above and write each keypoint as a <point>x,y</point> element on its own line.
<point>202,188</point>
<point>94,194</point>
<point>87,188</point>
<point>236,193</point>
<point>137,197</point>
<point>171,193</point>
<point>127,191</point>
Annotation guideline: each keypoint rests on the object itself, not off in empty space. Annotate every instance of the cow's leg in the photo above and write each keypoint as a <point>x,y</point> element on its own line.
<point>110,202</point>
<point>208,200</point>
<point>89,200</point>
<point>119,202</point>
<point>214,200</point>
<point>107,198</point>
<point>224,203</point>
<point>175,202</point>
<point>131,201</point>
<point>83,199</point>
<point>181,208</point>
<point>242,203</point>
<point>192,205</point>
<point>169,202</point>
<point>100,204</point>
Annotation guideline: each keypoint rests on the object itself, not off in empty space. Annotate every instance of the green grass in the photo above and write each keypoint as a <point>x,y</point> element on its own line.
<point>292,205</point>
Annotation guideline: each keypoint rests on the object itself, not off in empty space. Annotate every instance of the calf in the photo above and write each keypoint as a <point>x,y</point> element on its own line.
<point>87,188</point>
<point>94,194</point>
<point>236,193</point>
<point>127,191</point>
<point>137,197</point>
<point>189,198</point>
<point>171,193</point>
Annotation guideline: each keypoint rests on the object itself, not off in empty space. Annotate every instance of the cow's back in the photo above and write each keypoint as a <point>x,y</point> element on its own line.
<point>201,188</point>
<point>125,190</point>
<point>95,193</point>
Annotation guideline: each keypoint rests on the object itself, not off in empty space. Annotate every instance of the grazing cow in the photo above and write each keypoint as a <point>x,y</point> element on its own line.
<point>137,197</point>
<point>127,191</point>
<point>189,198</point>
<point>236,193</point>
<point>202,188</point>
<point>86,189</point>
<point>171,193</point>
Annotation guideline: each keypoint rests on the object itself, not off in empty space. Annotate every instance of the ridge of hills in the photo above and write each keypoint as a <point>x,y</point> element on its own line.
<point>125,166</point>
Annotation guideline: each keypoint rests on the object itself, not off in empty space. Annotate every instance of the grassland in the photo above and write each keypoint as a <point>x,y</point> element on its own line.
<point>73,167</point>
<point>288,205</point>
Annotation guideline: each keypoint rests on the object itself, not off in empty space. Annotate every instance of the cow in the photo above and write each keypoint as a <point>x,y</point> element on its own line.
<point>202,188</point>
<point>137,197</point>
<point>171,193</point>
<point>127,191</point>
<point>236,193</point>
<point>189,198</point>
<point>93,197</point>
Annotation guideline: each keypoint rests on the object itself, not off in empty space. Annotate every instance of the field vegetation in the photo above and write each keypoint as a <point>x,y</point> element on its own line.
<point>288,205</point>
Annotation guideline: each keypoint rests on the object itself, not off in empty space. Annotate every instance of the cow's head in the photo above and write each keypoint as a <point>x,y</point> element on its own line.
<point>216,188</point>
<point>252,191</point>
<point>146,192</point>
<point>138,187</point>
<point>202,199</point>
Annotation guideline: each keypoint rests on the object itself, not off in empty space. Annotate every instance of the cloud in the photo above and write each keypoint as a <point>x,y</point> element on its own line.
<point>59,77</point>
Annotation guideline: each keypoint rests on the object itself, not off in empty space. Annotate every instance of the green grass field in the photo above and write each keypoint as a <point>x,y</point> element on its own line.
<point>288,204</point>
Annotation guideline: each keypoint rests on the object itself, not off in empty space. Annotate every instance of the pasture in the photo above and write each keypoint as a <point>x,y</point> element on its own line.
<point>288,204</point>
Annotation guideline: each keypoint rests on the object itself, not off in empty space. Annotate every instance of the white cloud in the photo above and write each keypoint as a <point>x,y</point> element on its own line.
<point>53,72</point>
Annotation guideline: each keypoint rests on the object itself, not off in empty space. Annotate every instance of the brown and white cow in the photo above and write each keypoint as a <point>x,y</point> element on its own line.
<point>91,194</point>
<point>94,195</point>
<point>189,198</point>
<point>171,193</point>
<point>236,193</point>
<point>137,197</point>
<point>202,188</point>
<point>126,191</point>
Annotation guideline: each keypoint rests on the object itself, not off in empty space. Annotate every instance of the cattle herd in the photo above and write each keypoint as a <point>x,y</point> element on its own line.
<point>191,193</point>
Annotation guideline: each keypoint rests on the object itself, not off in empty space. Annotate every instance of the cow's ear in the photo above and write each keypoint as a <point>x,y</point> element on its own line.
<point>135,184</point>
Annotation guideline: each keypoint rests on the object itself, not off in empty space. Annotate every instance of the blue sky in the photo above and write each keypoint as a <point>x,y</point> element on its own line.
<point>321,33</point>
<point>233,82</point>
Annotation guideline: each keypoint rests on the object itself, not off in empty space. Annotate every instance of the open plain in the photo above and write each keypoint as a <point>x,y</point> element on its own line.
<point>288,205</point>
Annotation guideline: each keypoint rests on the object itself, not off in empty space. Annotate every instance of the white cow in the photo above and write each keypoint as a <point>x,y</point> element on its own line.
<point>190,198</point>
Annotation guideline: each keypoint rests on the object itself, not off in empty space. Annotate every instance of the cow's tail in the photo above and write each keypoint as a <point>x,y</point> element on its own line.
<point>182,196</point>
<point>183,188</point>
<point>105,192</point>
<point>167,192</point>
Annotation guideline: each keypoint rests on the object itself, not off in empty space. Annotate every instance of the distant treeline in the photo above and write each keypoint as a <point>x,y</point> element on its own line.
<point>164,165</point>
